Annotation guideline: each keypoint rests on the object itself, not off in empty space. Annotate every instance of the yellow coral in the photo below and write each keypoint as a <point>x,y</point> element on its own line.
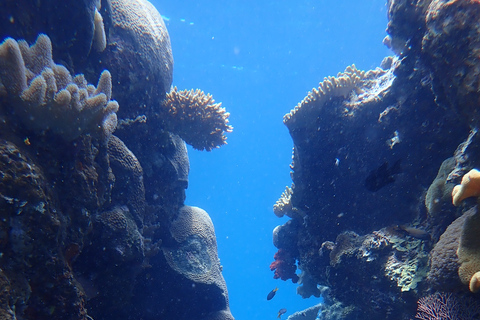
<point>469,187</point>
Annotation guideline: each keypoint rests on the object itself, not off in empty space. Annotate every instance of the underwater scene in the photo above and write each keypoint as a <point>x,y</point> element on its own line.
<point>221,160</point>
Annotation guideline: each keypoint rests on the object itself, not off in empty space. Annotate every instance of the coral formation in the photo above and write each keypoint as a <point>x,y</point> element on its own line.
<point>455,73</point>
<point>283,206</point>
<point>96,226</point>
<point>129,173</point>
<point>195,117</point>
<point>443,273</point>
<point>139,50</point>
<point>442,305</point>
<point>196,256</point>
<point>439,192</point>
<point>470,187</point>
<point>469,251</point>
<point>46,97</point>
<point>284,266</point>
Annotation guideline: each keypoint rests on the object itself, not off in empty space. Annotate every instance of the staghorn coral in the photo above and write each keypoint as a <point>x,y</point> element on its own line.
<point>469,252</point>
<point>44,96</point>
<point>469,187</point>
<point>196,118</point>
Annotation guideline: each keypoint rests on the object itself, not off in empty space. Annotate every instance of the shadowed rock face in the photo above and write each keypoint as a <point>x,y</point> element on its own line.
<point>69,24</point>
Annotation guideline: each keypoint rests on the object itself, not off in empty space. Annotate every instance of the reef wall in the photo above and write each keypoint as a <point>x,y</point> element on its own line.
<point>376,156</point>
<point>93,177</point>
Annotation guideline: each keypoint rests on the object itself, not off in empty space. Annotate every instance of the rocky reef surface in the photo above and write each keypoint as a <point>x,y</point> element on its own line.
<point>376,155</point>
<point>94,167</point>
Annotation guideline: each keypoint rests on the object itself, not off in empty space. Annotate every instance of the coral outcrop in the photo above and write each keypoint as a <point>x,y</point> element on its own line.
<point>138,49</point>
<point>93,225</point>
<point>195,117</point>
<point>367,146</point>
<point>45,97</point>
<point>469,187</point>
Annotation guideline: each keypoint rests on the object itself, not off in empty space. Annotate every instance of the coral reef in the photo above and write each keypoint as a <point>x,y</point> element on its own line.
<point>196,118</point>
<point>367,146</point>
<point>91,222</point>
<point>46,97</point>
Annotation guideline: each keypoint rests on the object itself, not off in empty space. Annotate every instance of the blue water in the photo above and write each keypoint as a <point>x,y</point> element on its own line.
<point>260,58</point>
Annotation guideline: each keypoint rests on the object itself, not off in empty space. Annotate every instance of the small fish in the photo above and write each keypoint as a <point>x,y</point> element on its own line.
<point>272,294</point>
<point>280,312</point>
<point>414,232</point>
<point>382,176</point>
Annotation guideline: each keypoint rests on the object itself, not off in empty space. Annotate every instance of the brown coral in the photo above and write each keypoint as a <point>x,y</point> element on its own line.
<point>196,118</point>
<point>45,96</point>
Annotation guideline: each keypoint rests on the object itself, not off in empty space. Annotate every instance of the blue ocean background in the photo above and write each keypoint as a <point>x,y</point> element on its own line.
<point>260,59</point>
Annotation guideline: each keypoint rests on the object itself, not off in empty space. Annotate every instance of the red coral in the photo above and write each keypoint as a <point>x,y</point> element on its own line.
<point>284,266</point>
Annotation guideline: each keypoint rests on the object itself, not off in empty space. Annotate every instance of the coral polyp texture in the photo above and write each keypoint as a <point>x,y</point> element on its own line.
<point>196,118</point>
<point>45,97</point>
<point>469,252</point>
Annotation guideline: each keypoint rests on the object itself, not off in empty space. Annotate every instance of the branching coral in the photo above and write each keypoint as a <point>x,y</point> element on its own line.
<point>341,85</point>
<point>284,266</point>
<point>196,118</point>
<point>45,96</point>
<point>283,206</point>
<point>447,306</point>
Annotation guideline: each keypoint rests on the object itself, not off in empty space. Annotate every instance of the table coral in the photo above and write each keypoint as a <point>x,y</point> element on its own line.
<point>44,96</point>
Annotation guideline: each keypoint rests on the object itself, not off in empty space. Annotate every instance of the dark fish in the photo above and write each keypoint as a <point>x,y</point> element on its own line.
<point>272,294</point>
<point>280,312</point>
<point>414,232</point>
<point>382,176</point>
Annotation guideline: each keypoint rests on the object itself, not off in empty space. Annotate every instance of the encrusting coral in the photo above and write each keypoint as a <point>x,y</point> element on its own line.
<point>469,252</point>
<point>196,118</point>
<point>44,96</point>
<point>469,187</point>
